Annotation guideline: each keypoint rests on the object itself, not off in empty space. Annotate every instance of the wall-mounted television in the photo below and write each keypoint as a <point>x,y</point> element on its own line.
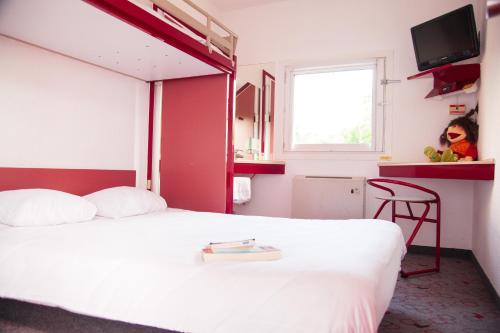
<point>448,38</point>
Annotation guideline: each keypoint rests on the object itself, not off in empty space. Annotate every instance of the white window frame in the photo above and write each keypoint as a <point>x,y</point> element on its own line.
<point>378,116</point>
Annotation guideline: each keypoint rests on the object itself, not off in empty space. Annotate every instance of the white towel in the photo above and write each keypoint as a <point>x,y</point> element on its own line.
<point>242,190</point>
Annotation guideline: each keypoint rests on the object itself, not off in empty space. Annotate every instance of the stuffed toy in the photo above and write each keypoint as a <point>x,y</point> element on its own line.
<point>461,138</point>
<point>440,156</point>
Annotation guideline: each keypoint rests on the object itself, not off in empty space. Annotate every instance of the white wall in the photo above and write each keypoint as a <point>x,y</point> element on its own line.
<point>302,30</point>
<point>486,231</point>
<point>57,112</point>
<point>253,74</point>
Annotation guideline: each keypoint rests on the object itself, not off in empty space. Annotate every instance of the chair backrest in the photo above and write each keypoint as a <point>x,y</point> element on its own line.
<point>376,182</point>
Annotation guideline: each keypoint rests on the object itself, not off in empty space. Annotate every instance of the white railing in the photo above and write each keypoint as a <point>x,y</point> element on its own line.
<point>225,43</point>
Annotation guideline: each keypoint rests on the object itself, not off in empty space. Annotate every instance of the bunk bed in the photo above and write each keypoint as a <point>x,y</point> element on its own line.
<point>369,264</point>
<point>139,39</point>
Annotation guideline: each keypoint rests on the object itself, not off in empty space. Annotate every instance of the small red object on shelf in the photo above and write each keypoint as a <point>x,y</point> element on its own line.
<point>450,78</point>
<point>457,109</point>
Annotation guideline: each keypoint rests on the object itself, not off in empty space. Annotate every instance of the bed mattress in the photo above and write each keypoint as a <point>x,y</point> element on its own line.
<point>335,276</point>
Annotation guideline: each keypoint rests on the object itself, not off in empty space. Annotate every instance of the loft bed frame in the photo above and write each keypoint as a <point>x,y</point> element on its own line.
<point>166,21</point>
<point>209,42</point>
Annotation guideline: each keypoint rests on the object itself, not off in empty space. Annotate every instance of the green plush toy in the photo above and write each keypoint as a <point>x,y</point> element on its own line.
<point>435,156</point>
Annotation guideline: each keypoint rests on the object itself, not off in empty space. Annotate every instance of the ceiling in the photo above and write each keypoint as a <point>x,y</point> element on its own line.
<point>226,5</point>
<point>79,30</point>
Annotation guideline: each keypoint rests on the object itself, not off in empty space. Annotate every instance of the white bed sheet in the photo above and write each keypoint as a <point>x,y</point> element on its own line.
<point>335,276</point>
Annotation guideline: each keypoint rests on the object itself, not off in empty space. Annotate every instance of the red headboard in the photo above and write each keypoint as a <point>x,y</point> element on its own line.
<point>75,181</point>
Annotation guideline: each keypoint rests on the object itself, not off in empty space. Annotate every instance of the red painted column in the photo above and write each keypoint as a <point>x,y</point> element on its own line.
<point>150,132</point>
<point>230,144</point>
<point>194,143</point>
<point>262,114</point>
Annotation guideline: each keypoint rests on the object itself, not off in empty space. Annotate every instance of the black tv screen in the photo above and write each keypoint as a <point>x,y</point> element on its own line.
<point>448,38</point>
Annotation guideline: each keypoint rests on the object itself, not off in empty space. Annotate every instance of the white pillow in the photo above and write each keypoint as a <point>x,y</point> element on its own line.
<point>122,201</point>
<point>37,207</point>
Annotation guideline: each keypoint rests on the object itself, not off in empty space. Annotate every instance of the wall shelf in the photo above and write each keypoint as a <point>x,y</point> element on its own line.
<point>476,170</point>
<point>242,166</point>
<point>451,79</point>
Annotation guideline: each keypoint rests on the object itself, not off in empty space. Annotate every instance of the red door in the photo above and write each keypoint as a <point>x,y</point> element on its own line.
<point>194,143</point>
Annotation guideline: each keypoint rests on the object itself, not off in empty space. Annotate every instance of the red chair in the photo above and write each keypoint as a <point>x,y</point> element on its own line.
<point>426,201</point>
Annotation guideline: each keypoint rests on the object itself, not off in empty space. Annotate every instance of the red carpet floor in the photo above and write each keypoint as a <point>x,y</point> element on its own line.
<point>454,300</point>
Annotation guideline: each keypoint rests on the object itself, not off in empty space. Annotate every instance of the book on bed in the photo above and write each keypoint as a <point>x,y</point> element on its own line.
<point>254,253</point>
<point>242,244</point>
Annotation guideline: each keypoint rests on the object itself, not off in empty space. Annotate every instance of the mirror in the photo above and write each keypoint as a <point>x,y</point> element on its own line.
<point>254,114</point>
<point>246,125</point>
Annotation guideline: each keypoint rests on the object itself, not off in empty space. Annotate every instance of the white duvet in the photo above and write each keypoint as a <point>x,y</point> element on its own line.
<point>335,276</point>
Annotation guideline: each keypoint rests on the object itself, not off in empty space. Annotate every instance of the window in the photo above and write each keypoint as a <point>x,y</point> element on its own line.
<point>336,108</point>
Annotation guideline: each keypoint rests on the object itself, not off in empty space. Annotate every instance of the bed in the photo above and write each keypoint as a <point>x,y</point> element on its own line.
<point>335,276</point>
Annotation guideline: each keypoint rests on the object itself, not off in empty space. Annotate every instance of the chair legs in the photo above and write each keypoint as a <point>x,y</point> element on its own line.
<point>419,224</point>
<point>380,209</point>
<point>420,220</point>
<point>438,236</point>
<point>406,274</point>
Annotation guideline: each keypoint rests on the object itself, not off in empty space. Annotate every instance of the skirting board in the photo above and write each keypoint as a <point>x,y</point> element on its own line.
<point>445,252</point>
<point>486,280</point>
<point>459,253</point>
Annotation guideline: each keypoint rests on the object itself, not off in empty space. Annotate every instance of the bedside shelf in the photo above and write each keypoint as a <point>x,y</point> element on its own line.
<point>476,170</point>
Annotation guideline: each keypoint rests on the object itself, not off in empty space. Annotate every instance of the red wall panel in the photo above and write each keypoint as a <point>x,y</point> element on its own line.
<point>194,143</point>
<point>75,181</point>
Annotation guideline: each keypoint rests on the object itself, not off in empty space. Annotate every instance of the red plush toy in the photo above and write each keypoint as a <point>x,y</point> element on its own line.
<point>461,136</point>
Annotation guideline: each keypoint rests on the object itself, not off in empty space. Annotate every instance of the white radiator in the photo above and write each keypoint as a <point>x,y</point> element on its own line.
<point>318,197</point>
